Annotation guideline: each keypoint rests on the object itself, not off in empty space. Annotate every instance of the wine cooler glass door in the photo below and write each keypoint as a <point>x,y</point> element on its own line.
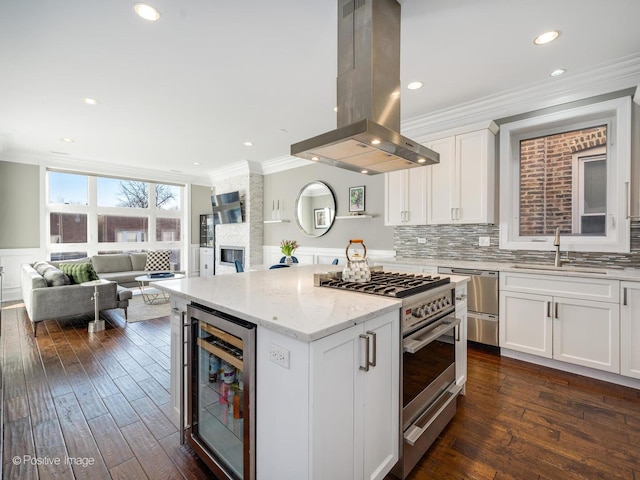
<point>221,409</point>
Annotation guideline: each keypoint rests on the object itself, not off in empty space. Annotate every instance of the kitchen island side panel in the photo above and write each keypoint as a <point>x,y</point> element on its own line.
<point>282,408</point>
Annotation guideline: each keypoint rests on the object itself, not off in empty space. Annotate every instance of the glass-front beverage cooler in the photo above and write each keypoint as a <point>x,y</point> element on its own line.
<point>206,230</point>
<point>221,393</point>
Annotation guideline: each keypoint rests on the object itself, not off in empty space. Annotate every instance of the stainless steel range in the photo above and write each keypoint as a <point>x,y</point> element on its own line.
<point>429,335</point>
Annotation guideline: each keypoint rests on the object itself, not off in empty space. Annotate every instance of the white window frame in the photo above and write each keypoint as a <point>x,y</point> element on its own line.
<point>92,246</point>
<point>578,163</point>
<point>616,114</point>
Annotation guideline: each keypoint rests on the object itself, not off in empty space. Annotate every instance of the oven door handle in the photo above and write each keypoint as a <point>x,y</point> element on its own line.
<point>415,431</point>
<point>416,341</point>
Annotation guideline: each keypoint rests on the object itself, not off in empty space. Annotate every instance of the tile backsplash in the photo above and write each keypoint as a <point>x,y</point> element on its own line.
<point>460,242</point>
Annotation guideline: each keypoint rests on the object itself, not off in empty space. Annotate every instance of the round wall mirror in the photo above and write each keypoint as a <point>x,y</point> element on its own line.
<point>315,209</point>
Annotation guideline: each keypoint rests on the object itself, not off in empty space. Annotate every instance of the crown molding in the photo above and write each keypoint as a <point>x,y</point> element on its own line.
<point>243,167</point>
<point>606,78</point>
<point>281,164</point>
<point>79,165</point>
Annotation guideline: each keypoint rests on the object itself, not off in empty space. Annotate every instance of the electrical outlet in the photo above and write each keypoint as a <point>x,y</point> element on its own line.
<point>484,241</point>
<point>422,240</point>
<point>279,355</point>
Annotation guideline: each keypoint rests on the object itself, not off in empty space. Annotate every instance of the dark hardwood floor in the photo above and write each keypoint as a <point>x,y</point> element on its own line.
<point>102,400</point>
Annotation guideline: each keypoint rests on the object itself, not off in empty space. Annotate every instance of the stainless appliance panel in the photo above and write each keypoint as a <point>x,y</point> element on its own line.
<point>482,303</point>
<point>221,436</point>
<point>483,328</point>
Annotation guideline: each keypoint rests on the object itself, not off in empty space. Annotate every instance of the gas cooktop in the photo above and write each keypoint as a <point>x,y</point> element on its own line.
<point>390,284</point>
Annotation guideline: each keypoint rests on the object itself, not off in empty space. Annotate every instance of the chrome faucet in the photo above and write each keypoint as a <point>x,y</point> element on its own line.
<point>556,243</point>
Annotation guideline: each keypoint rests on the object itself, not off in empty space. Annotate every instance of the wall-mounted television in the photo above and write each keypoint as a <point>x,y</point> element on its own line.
<point>226,208</point>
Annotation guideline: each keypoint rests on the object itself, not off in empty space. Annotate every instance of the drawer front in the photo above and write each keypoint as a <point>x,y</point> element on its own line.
<point>562,285</point>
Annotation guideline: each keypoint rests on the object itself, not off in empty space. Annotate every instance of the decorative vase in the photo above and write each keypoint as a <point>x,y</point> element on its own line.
<point>288,260</point>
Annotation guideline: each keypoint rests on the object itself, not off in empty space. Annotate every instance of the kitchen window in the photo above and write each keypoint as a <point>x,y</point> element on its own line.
<point>568,169</point>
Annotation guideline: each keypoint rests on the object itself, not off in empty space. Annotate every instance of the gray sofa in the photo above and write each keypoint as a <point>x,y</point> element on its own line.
<point>122,268</point>
<point>45,300</point>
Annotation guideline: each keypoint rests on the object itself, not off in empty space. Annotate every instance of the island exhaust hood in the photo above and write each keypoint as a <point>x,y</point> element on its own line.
<point>367,139</point>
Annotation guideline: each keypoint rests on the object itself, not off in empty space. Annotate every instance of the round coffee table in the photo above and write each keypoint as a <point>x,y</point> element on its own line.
<point>151,295</point>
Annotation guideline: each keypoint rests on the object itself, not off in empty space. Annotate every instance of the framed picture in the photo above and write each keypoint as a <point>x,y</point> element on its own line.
<point>321,217</point>
<point>356,199</point>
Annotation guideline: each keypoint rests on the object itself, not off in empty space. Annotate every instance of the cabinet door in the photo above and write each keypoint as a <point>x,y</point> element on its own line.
<point>587,333</point>
<point>178,369</point>
<point>206,262</point>
<point>441,182</point>
<point>355,414</point>
<point>336,448</point>
<point>416,195</point>
<point>475,176</point>
<point>630,329</point>
<point>525,323</point>
<point>381,398</point>
<point>395,191</point>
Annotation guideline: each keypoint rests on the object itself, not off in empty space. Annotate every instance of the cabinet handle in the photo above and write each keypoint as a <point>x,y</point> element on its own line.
<point>366,352</point>
<point>624,296</point>
<point>375,345</point>
<point>556,316</point>
<point>548,309</point>
<point>452,215</point>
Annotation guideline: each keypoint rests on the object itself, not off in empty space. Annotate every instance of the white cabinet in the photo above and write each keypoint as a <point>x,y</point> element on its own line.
<point>576,321</point>
<point>206,261</point>
<point>461,345</point>
<point>406,197</point>
<point>461,188</point>
<point>355,401</point>
<point>630,329</point>
<point>178,365</point>
<point>323,417</point>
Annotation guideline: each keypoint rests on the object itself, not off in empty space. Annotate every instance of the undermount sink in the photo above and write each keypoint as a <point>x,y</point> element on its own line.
<point>565,268</point>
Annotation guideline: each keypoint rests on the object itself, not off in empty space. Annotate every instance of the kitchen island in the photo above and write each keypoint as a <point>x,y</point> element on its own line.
<point>319,414</point>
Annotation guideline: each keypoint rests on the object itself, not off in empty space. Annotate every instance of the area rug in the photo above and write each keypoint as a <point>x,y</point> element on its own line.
<point>139,311</point>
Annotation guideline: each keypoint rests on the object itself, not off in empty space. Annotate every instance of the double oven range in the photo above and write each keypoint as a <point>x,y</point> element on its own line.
<point>428,373</point>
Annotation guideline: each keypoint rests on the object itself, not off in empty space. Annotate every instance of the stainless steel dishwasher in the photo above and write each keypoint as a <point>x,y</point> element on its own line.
<point>482,304</point>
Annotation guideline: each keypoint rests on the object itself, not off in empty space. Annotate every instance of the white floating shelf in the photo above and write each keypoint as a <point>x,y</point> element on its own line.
<point>352,217</point>
<point>276,221</point>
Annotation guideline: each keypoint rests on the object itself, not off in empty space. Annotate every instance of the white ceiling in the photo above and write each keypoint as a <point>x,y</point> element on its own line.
<point>210,74</point>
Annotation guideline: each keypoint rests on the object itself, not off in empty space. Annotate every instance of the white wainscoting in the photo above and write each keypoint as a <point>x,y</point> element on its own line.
<point>11,259</point>
<point>307,255</point>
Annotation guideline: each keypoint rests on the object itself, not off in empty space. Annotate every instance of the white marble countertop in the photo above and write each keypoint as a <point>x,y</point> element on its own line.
<point>630,274</point>
<point>284,300</point>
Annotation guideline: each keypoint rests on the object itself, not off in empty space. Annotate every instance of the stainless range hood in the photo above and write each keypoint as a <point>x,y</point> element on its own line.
<point>367,138</point>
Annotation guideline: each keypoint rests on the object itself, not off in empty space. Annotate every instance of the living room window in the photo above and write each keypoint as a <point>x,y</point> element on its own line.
<point>89,214</point>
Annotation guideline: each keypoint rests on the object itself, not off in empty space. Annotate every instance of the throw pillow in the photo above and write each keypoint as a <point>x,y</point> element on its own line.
<point>56,277</point>
<point>41,267</point>
<point>158,261</point>
<point>79,272</point>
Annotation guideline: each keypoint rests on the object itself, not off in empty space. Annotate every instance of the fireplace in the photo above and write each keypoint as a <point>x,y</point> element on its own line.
<point>228,255</point>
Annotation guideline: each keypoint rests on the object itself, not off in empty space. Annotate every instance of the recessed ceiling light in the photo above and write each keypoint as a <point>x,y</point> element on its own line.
<point>375,141</point>
<point>414,85</point>
<point>546,37</point>
<point>421,160</point>
<point>90,101</point>
<point>196,164</point>
<point>67,140</point>
<point>335,109</point>
<point>557,73</point>
<point>364,171</point>
<point>315,159</point>
<point>248,144</point>
<point>146,11</point>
